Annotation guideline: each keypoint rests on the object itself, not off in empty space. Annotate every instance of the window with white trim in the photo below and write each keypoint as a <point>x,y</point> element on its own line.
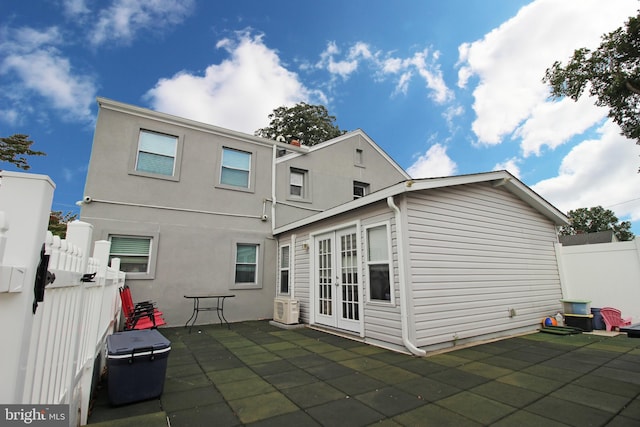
<point>360,189</point>
<point>298,183</point>
<point>134,253</point>
<point>156,153</point>
<point>379,263</point>
<point>236,168</point>
<point>246,272</point>
<point>284,269</point>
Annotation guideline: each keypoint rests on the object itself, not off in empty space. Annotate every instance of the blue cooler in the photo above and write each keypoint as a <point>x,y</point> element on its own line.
<point>136,365</point>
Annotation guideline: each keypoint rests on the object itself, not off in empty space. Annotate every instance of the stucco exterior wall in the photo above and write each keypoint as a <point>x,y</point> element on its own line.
<point>332,169</point>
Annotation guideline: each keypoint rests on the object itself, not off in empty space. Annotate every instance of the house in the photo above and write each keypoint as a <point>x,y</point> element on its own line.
<point>339,227</point>
<point>426,264</point>
<point>190,208</point>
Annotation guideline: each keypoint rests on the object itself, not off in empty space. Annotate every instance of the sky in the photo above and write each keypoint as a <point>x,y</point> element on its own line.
<point>444,87</point>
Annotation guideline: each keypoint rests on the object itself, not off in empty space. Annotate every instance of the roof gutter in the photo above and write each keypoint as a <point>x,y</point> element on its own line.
<point>404,294</point>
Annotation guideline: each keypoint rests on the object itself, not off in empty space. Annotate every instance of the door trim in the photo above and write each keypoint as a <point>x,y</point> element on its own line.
<point>312,272</point>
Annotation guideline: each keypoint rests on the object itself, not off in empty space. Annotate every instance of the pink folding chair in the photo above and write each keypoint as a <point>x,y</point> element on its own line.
<point>613,318</point>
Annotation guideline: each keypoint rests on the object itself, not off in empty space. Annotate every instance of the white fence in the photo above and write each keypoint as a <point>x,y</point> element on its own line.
<point>49,354</point>
<point>607,274</point>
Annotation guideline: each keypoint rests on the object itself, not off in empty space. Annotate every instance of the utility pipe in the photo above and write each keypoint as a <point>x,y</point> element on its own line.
<point>404,295</point>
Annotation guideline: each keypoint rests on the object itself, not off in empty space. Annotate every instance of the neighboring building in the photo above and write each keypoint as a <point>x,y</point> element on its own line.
<point>190,208</point>
<point>607,236</point>
<point>426,264</point>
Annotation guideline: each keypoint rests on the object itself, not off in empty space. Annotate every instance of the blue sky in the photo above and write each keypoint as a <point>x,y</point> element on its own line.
<point>445,87</point>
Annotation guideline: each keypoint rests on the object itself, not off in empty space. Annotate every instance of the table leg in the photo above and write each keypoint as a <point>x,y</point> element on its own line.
<point>221,313</point>
<point>194,315</point>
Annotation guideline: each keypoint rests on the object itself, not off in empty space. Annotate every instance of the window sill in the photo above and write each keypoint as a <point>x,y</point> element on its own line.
<point>154,175</point>
<point>240,286</point>
<point>234,188</point>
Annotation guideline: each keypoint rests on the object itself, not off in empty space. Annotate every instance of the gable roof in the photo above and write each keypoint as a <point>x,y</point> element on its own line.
<point>338,139</point>
<point>497,178</point>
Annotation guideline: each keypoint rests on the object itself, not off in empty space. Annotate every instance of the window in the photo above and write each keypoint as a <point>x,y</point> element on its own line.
<point>246,263</point>
<point>284,269</point>
<point>156,153</point>
<point>134,253</point>
<point>236,168</point>
<point>360,189</point>
<point>297,183</point>
<point>378,262</point>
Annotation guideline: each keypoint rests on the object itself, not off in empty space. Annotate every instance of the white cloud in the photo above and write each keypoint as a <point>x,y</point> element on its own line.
<point>554,123</point>
<point>597,172</point>
<point>239,93</point>
<point>510,62</point>
<point>74,8</point>
<point>510,165</point>
<point>32,63</point>
<point>124,18</point>
<point>423,64</point>
<point>434,163</point>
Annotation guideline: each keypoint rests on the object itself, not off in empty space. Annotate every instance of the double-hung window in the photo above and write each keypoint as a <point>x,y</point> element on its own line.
<point>297,178</point>
<point>284,269</point>
<point>156,153</point>
<point>378,263</point>
<point>134,253</point>
<point>246,264</point>
<point>236,168</point>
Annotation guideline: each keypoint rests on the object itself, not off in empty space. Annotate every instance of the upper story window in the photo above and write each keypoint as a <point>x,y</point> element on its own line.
<point>360,189</point>
<point>298,183</point>
<point>156,153</point>
<point>236,168</point>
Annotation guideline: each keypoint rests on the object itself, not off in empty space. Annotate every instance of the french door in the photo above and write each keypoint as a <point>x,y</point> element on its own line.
<point>336,281</point>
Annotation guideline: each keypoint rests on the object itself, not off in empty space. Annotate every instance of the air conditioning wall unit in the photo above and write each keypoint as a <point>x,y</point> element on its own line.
<point>286,310</point>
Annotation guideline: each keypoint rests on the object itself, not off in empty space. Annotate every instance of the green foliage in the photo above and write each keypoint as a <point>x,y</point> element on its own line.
<point>591,220</point>
<point>58,222</point>
<point>611,73</point>
<point>310,124</point>
<point>13,150</point>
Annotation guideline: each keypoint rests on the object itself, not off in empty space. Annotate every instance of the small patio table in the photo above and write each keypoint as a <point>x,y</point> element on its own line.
<point>218,308</point>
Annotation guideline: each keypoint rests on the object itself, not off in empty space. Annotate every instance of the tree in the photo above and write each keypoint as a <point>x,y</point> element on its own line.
<point>591,220</point>
<point>310,124</point>
<point>611,73</point>
<point>13,150</point>
<point>58,222</point>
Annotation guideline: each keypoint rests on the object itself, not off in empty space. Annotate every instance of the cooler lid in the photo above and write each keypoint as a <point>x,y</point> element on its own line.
<point>128,342</point>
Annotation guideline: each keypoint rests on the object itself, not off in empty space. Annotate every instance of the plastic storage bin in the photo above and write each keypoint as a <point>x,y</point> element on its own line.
<point>576,306</point>
<point>582,321</point>
<point>136,365</point>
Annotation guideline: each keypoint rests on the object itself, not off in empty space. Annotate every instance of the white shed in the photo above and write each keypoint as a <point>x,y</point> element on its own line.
<point>426,264</point>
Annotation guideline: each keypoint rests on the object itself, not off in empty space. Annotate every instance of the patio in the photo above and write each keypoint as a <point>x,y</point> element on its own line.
<point>260,375</point>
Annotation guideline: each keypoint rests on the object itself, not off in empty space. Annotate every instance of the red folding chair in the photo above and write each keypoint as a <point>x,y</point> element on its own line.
<point>143,315</point>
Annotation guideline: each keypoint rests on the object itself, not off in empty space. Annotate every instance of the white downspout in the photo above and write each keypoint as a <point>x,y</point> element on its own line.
<point>273,188</point>
<point>404,296</point>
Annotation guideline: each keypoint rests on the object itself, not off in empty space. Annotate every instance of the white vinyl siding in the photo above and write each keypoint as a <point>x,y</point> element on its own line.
<point>476,253</point>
